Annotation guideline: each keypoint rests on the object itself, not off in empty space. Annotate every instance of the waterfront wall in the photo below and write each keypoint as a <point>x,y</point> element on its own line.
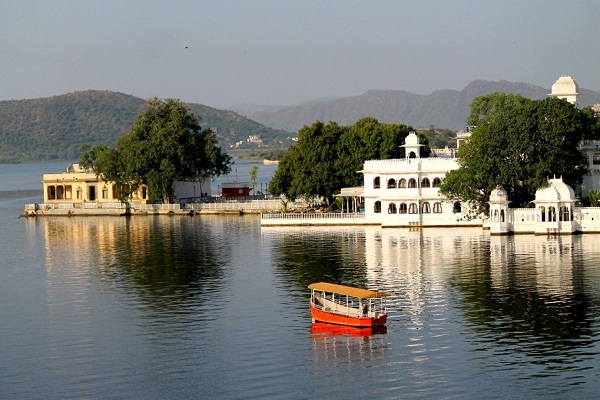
<point>223,207</point>
<point>314,219</point>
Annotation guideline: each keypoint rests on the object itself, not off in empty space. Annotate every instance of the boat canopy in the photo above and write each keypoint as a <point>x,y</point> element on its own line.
<point>346,290</point>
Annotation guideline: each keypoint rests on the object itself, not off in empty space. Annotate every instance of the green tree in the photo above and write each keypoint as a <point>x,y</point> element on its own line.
<point>166,143</point>
<point>254,177</point>
<point>518,143</point>
<point>327,157</point>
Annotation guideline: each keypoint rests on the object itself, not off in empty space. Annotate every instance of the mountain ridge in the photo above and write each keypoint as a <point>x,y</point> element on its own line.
<point>53,128</point>
<point>444,108</point>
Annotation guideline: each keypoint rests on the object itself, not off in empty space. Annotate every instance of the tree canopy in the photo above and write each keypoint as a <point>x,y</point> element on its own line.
<point>519,143</point>
<point>166,143</point>
<point>327,157</point>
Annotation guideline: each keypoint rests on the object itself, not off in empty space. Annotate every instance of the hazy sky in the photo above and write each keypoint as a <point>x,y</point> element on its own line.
<point>221,53</point>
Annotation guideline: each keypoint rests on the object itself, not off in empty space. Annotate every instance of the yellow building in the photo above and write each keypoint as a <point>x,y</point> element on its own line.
<point>79,185</point>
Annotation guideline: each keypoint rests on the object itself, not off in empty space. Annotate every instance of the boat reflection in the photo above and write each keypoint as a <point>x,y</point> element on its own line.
<point>322,329</point>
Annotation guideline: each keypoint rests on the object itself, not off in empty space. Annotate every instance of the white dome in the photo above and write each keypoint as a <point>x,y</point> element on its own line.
<point>565,86</point>
<point>411,139</point>
<point>498,194</point>
<point>556,191</point>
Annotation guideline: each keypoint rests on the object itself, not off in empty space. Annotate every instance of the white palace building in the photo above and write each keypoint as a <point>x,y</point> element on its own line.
<point>405,193</point>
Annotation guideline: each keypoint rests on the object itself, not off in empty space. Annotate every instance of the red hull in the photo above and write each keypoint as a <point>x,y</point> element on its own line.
<point>332,318</point>
<point>322,329</point>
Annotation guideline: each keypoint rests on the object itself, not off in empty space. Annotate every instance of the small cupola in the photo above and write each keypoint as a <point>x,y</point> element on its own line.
<point>412,147</point>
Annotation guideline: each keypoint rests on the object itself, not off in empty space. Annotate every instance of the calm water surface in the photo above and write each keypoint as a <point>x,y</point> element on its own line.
<point>216,307</point>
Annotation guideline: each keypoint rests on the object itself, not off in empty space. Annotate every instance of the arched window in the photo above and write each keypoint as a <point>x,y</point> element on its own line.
<point>79,192</point>
<point>105,192</point>
<point>437,207</point>
<point>456,207</point>
<point>551,214</point>
<point>402,183</point>
<point>377,207</point>
<point>51,193</point>
<point>412,183</point>
<point>392,208</point>
<point>413,209</point>
<point>425,182</point>
<point>403,208</point>
<point>436,182</point>
<point>495,216</point>
<point>501,215</point>
<point>376,183</point>
<point>542,213</point>
<point>426,208</point>
<point>564,214</point>
<point>391,184</point>
<point>68,192</point>
<point>60,192</point>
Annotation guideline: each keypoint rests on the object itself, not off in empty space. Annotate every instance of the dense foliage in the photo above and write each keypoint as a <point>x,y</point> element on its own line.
<point>519,143</point>
<point>439,138</point>
<point>165,144</point>
<point>54,128</point>
<point>327,157</point>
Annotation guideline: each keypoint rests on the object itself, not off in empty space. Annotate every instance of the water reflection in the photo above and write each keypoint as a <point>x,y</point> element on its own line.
<point>516,299</point>
<point>322,329</point>
<point>167,261</point>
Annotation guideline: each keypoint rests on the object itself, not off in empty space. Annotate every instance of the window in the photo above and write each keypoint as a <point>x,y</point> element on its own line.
<point>376,183</point>
<point>403,208</point>
<point>437,207</point>
<point>542,213</point>
<point>426,208</point>
<point>413,209</point>
<point>412,183</point>
<point>425,182</point>
<point>377,207</point>
<point>436,182</point>
<point>402,183</point>
<point>68,192</point>
<point>60,192</point>
<point>551,214</point>
<point>501,215</point>
<point>392,208</point>
<point>596,159</point>
<point>105,192</point>
<point>391,184</point>
<point>79,193</point>
<point>456,207</point>
<point>51,193</point>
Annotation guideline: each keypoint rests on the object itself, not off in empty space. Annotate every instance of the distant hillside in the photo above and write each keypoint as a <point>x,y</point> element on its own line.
<point>442,108</point>
<point>54,128</point>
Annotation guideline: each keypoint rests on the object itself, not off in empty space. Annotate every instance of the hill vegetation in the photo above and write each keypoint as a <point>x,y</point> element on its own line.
<point>54,128</point>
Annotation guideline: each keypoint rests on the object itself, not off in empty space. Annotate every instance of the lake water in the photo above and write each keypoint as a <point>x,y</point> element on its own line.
<point>214,307</point>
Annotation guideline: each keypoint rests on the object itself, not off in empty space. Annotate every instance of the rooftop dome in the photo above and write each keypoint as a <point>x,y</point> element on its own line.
<point>498,194</point>
<point>556,191</point>
<point>564,86</point>
<point>411,140</point>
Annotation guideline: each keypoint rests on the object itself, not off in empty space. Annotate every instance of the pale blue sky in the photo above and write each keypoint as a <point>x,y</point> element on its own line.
<point>221,53</point>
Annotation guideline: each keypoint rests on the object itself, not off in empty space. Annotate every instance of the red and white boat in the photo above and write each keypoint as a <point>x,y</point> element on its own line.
<point>346,305</point>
